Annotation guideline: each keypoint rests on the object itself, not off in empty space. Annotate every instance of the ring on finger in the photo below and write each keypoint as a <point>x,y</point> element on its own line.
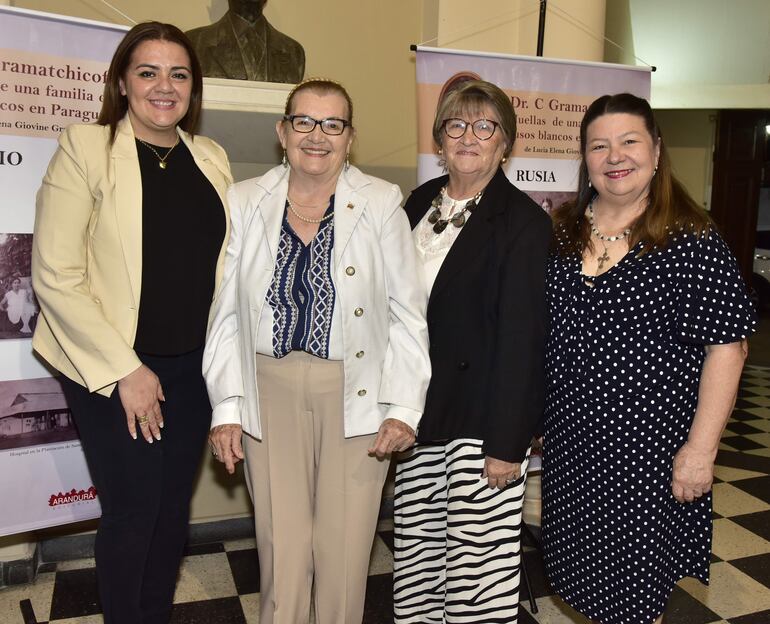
<point>143,420</point>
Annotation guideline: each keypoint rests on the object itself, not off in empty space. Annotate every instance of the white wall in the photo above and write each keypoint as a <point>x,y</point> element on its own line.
<point>708,53</point>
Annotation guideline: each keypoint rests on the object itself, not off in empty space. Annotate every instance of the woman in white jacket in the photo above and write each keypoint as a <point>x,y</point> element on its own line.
<point>318,353</point>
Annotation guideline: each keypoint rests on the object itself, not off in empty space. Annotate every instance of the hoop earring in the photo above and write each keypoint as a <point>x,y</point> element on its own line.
<point>347,161</point>
<point>284,160</point>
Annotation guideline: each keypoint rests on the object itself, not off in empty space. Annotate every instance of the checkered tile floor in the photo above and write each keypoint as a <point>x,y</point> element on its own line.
<point>219,583</point>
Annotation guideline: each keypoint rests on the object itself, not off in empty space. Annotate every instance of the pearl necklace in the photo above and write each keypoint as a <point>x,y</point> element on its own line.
<point>302,217</point>
<point>605,257</point>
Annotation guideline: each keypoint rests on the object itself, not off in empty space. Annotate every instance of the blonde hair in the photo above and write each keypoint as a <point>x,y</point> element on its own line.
<point>321,86</point>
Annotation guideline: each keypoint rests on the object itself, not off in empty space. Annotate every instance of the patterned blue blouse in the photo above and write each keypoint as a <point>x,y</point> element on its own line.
<point>302,293</point>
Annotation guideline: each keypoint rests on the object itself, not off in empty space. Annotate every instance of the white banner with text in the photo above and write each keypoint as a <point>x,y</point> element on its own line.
<point>550,97</point>
<point>52,72</point>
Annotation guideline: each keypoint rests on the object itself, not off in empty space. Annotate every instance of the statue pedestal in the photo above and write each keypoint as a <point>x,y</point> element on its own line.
<point>240,115</point>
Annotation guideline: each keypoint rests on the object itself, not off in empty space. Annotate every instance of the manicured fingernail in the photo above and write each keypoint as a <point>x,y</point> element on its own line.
<point>160,424</point>
<point>149,440</point>
<point>157,436</point>
<point>133,435</point>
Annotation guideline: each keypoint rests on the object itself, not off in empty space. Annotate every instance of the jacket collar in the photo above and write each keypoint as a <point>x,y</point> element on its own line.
<point>474,234</point>
<point>128,195</point>
<point>128,192</point>
<point>349,203</point>
<point>124,145</point>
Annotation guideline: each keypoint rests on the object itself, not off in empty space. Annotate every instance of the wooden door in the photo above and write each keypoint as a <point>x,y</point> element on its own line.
<point>739,160</point>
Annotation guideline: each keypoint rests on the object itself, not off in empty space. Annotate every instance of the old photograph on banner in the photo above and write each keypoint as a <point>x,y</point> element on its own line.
<point>550,97</point>
<point>52,72</point>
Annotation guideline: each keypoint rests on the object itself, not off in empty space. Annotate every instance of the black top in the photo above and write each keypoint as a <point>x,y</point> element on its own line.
<point>183,226</point>
<point>487,323</point>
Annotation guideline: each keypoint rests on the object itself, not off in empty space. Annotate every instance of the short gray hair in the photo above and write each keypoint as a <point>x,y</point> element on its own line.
<point>472,96</point>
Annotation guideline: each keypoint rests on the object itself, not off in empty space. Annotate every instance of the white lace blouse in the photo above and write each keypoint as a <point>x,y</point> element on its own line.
<point>433,248</point>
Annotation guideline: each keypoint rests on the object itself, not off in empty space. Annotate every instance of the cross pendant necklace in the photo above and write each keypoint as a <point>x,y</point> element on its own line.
<point>603,259</point>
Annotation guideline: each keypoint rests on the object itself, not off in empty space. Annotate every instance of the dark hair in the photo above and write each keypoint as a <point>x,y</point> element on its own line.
<point>669,209</point>
<point>472,96</point>
<point>320,86</point>
<point>115,105</point>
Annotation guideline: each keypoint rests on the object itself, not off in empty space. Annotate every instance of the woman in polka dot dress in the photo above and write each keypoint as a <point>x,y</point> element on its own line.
<point>649,318</point>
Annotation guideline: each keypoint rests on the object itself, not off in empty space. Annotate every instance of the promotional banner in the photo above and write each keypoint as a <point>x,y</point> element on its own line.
<point>549,96</point>
<point>52,72</point>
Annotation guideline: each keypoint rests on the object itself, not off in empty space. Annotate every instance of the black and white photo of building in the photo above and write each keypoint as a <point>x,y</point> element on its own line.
<point>34,412</point>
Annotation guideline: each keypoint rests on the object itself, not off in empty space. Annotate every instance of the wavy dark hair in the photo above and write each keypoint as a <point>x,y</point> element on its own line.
<point>670,208</point>
<point>115,105</point>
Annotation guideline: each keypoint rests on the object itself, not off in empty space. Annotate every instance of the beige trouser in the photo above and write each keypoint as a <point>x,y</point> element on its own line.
<point>316,494</point>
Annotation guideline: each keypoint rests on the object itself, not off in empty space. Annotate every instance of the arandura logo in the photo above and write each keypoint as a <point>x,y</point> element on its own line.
<point>75,496</point>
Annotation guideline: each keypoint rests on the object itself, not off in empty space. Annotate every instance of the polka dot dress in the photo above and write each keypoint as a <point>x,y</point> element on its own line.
<point>624,360</point>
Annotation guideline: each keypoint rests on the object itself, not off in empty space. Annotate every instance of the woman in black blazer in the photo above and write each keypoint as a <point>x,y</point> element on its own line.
<point>483,245</point>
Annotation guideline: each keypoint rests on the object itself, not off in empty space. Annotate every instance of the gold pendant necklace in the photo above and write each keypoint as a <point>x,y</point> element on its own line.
<point>162,160</point>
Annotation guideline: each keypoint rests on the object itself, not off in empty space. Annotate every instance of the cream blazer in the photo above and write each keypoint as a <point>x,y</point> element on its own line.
<point>87,250</point>
<point>378,285</point>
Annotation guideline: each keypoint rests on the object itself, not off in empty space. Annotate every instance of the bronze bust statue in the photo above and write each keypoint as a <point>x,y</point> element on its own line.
<point>243,45</point>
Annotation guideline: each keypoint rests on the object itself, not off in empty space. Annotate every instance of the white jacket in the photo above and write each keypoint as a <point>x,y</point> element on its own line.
<point>379,288</point>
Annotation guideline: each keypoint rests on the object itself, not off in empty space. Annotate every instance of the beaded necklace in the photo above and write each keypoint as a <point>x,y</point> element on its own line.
<point>605,257</point>
<point>458,220</point>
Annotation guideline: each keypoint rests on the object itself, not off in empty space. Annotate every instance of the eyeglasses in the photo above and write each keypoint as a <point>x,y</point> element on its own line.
<point>331,125</point>
<point>482,128</point>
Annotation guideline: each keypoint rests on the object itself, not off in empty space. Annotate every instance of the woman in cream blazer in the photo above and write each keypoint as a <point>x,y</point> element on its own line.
<point>100,311</point>
<point>128,248</point>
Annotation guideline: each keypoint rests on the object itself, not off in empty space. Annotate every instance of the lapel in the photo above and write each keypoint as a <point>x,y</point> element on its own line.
<point>218,176</point>
<point>128,202</point>
<point>349,205</point>
<point>270,199</point>
<point>224,47</point>
<point>420,200</point>
<point>474,234</point>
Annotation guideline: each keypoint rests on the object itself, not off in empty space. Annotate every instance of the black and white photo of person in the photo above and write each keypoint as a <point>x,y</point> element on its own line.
<point>18,306</point>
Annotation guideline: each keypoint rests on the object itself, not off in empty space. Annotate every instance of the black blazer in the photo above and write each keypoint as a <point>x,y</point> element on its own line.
<point>487,321</point>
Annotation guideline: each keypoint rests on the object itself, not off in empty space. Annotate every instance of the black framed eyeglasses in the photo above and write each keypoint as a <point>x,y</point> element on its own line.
<point>483,129</point>
<point>331,125</point>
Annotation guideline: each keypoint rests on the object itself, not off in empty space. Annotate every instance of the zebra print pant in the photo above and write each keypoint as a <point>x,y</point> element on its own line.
<point>457,542</point>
